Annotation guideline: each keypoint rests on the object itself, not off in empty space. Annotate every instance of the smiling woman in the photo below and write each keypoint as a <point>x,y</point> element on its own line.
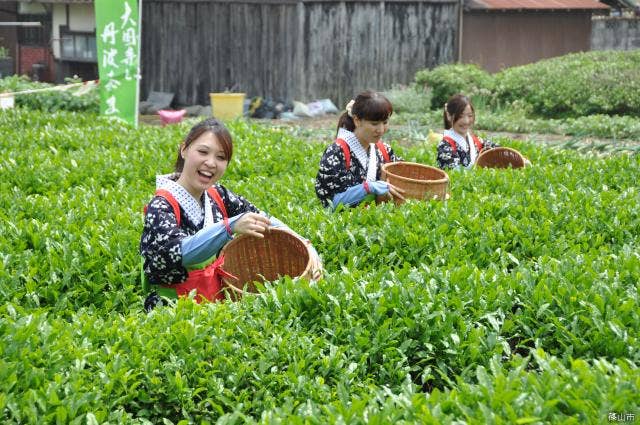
<point>192,216</point>
<point>459,147</point>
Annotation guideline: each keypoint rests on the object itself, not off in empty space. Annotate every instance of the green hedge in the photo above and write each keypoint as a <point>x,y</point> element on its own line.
<point>573,85</point>
<point>413,98</point>
<point>447,80</point>
<point>576,84</point>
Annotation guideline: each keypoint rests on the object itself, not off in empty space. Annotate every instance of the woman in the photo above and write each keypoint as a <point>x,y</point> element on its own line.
<point>350,168</point>
<point>191,218</point>
<point>459,147</point>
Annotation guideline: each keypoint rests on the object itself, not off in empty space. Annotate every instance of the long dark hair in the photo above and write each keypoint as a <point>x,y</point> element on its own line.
<point>455,106</point>
<point>214,126</point>
<point>368,105</point>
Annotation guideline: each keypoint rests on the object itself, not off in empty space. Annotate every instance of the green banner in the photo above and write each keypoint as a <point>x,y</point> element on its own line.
<point>118,42</point>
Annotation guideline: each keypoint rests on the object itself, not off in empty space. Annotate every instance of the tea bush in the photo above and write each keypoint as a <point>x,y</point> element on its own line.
<point>50,101</point>
<point>577,84</point>
<point>516,301</point>
<point>447,80</point>
<point>515,120</point>
<point>569,86</point>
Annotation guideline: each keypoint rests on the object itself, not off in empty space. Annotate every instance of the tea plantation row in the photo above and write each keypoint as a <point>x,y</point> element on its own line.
<point>514,302</point>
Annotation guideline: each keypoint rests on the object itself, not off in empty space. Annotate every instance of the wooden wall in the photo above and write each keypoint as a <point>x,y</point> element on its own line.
<point>291,49</point>
<point>496,40</point>
<point>615,33</point>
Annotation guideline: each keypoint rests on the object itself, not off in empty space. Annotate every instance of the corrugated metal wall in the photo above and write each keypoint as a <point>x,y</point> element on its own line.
<point>496,40</point>
<point>289,49</point>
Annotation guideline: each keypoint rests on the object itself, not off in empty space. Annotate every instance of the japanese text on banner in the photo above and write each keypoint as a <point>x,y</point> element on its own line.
<point>118,42</point>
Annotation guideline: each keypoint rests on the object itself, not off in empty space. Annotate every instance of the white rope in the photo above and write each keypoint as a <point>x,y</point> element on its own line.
<point>54,88</point>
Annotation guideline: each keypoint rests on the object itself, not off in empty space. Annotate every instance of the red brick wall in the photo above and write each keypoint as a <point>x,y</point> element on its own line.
<point>30,55</point>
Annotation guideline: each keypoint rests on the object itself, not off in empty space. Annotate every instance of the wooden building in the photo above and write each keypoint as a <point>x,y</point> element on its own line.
<point>283,49</point>
<point>8,39</point>
<point>497,34</point>
<point>291,49</point>
<point>62,45</point>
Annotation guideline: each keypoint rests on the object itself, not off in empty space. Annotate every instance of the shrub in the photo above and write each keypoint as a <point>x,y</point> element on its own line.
<point>413,98</point>
<point>50,101</point>
<point>576,84</point>
<point>447,80</point>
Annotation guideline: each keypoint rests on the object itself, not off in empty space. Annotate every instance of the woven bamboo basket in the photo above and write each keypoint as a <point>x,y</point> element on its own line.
<point>501,157</point>
<point>279,253</point>
<point>417,180</point>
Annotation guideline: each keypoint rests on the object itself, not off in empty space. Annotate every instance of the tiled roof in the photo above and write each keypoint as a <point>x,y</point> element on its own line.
<point>536,4</point>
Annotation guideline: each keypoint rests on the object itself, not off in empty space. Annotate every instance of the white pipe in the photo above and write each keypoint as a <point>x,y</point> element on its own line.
<point>20,24</point>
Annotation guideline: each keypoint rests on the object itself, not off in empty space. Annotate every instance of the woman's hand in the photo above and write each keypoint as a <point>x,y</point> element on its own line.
<point>392,192</point>
<point>396,192</point>
<point>251,224</point>
<point>384,190</point>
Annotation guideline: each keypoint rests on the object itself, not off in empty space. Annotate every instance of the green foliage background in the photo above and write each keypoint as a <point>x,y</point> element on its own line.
<point>598,82</point>
<point>50,101</point>
<point>447,80</point>
<point>573,85</point>
<point>514,302</point>
<point>583,95</point>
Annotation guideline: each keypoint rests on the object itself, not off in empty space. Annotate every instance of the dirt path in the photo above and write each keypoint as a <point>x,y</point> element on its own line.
<point>410,135</point>
<point>322,129</point>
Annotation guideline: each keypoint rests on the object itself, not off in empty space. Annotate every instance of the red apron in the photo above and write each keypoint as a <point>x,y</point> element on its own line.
<point>206,280</point>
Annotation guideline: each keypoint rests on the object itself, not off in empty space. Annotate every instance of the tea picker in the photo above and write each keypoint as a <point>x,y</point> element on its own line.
<point>192,216</point>
<point>350,168</point>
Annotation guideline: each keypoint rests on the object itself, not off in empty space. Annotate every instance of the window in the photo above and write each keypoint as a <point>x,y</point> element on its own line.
<point>34,36</point>
<point>78,46</point>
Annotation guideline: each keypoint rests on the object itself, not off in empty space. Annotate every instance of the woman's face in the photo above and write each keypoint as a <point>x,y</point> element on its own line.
<point>465,122</point>
<point>370,131</point>
<point>204,164</point>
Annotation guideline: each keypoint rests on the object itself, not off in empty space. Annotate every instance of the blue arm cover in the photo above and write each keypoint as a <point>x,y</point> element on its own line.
<point>379,187</point>
<point>355,194</point>
<point>278,224</point>
<point>206,243</point>
<point>352,196</point>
